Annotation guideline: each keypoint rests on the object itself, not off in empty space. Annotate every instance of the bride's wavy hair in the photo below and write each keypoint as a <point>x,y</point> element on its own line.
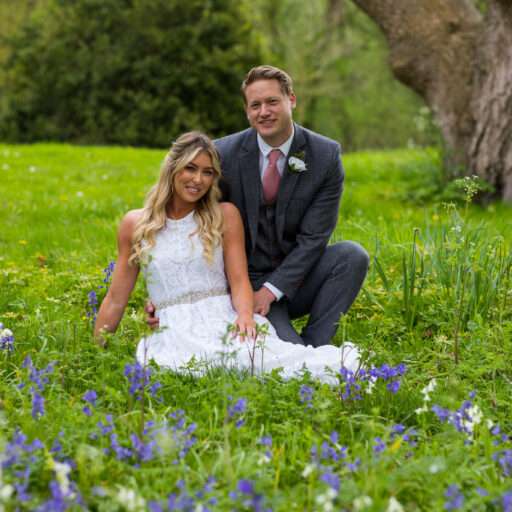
<point>208,213</point>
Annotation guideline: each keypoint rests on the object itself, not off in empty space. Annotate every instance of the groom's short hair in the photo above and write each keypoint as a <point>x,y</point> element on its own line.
<point>266,72</point>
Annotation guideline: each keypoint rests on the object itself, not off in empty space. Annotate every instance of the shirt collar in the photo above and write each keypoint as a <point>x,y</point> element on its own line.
<point>265,149</point>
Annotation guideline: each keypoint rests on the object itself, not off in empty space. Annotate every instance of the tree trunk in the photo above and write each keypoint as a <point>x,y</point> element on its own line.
<point>460,62</point>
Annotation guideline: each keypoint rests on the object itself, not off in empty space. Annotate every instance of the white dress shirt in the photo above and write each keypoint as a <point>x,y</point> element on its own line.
<point>265,150</point>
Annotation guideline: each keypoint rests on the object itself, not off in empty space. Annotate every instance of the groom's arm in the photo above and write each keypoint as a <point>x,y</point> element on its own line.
<point>314,232</point>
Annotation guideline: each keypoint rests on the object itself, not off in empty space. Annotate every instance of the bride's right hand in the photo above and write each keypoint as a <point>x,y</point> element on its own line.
<point>245,327</point>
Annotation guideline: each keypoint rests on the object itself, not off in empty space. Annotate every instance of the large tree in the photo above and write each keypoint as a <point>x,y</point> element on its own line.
<point>458,56</point>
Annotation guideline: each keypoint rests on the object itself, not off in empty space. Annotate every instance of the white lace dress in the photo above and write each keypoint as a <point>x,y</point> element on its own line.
<point>194,309</point>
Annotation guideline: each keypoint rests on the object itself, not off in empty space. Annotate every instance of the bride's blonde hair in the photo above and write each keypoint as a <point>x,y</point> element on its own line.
<point>207,213</point>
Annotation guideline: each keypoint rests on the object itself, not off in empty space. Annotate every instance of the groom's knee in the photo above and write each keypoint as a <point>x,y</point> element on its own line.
<point>350,256</point>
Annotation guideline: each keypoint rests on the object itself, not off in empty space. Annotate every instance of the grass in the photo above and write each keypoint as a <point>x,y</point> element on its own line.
<point>437,298</point>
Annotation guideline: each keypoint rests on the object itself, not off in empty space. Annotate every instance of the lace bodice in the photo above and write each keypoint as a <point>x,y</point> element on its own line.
<point>177,271</point>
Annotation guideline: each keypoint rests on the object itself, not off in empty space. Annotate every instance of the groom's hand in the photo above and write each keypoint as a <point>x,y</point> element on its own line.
<point>263,298</point>
<point>151,319</point>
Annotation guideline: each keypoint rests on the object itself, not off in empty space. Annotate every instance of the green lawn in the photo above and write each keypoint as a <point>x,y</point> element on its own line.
<point>437,299</point>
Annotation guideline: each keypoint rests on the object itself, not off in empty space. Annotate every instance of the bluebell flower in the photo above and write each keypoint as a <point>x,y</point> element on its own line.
<point>139,378</point>
<point>237,410</point>
<point>352,467</point>
<point>6,339</point>
<point>506,501</point>
<point>92,305</point>
<point>455,499</point>
<point>379,445</point>
<point>306,395</point>
<point>90,397</point>
<point>108,271</point>
<point>332,480</point>
<point>504,460</point>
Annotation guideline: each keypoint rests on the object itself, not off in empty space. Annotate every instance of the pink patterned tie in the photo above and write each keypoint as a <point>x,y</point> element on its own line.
<point>271,177</point>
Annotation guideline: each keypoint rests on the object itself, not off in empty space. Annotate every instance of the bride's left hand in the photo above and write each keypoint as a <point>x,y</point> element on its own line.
<point>245,327</point>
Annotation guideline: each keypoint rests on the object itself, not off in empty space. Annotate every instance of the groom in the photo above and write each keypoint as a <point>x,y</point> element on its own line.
<point>287,183</point>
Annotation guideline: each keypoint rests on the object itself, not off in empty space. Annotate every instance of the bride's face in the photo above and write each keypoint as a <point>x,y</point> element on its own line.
<point>193,181</point>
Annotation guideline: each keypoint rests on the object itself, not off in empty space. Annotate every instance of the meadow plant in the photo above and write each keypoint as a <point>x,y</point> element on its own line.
<point>6,339</point>
<point>378,440</point>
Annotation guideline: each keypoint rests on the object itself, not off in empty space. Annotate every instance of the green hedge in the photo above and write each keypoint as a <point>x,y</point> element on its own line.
<point>135,72</point>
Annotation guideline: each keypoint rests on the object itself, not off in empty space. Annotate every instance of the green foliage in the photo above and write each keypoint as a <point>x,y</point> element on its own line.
<point>338,60</point>
<point>132,72</point>
<point>58,208</point>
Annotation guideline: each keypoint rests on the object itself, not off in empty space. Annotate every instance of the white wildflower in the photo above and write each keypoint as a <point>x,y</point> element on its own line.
<point>394,505</point>
<point>62,471</point>
<point>130,500</point>
<point>308,470</point>
<point>371,385</point>
<point>362,502</point>
<point>421,410</point>
<point>428,389</point>
<point>325,500</point>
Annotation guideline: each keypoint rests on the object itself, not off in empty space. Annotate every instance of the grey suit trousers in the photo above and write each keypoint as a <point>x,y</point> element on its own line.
<point>327,292</point>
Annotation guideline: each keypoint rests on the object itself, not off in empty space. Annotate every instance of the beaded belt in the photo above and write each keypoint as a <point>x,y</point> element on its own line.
<point>190,298</point>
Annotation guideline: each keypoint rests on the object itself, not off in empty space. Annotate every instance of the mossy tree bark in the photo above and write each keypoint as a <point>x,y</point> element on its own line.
<point>460,61</point>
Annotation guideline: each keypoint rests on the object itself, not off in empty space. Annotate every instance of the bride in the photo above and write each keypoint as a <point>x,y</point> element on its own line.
<point>191,249</point>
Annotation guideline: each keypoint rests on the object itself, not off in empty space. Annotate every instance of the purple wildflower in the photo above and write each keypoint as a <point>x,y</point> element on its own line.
<point>248,497</point>
<point>108,271</point>
<point>504,459</point>
<point>455,498</point>
<point>37,404</point>
<point>6,339</point>
<point>267,442</point>
<point>350,385</point>
<point>90,397</point>
<point>237,410</point>
<point>144,451</point>
<point>60,500</point>
<point>352,467</point>
<point>92,305</point>
<point>506,501</point>
<point>332,480</point>
<point>379,445</point>
<point>306,395</point>
<point>138,376</point>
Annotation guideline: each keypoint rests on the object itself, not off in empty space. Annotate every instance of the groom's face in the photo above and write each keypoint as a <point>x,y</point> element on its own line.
<point>269,111</point>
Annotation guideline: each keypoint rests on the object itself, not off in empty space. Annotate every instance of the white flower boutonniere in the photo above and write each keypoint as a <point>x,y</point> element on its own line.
<point>296,163</point>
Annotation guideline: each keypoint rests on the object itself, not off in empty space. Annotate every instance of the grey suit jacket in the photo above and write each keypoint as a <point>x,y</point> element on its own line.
<point>307,203</point>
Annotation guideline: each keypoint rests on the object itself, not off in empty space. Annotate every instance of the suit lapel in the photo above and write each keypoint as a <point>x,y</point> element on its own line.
<point>289,179</point>
<point>249,169</point>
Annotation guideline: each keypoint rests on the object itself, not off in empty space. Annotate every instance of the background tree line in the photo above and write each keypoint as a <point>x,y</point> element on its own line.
<point>140,72</point>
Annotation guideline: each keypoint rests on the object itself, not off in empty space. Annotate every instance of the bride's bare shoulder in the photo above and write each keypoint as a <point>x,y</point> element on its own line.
<point>128,222</point>
<point>230,212</point>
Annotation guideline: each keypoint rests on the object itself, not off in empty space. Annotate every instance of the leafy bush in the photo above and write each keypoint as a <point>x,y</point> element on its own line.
<point>126,71</point>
